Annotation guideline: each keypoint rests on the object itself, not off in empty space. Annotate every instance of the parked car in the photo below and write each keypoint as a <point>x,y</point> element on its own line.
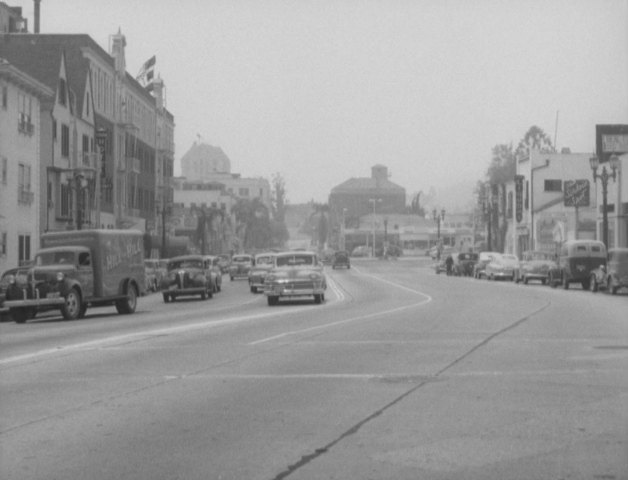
<point>480,266</point>
<point>264,262</point>
<point>535,265</point>
<point>9,279</point>
<point>296,274</point>
<point>612,276</point>
<point>216,273</point>
<point>240,266</point>
<point>576,260</point>
<point>502,266</point>
<point>187,275</point>
<point>464,262</point>
<point>341,259</point>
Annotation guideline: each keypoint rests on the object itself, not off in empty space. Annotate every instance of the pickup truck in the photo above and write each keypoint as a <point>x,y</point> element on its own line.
<point>77,269</point>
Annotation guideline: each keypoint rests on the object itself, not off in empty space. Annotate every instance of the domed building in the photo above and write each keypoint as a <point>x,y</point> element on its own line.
<point>202,162</point>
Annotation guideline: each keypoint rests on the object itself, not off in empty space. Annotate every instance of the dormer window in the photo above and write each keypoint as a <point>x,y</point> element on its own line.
<point>62,92</point>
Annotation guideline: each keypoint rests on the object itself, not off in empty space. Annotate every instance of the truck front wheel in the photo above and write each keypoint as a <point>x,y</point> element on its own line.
<point>71,309</point>
<point>129,303</point>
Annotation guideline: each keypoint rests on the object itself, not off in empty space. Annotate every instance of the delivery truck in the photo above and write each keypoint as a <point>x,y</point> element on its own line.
<point>77,269</point>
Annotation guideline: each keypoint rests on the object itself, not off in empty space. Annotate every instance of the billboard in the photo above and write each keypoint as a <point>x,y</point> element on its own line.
<point>577,193</point>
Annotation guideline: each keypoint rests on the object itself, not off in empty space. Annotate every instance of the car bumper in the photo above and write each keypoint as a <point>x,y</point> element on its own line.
<point>288,291</point>
<point>173,290</point>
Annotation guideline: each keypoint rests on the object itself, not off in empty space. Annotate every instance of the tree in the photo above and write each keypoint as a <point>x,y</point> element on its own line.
<point>252,223</point>
<point>278,200</point>
<point>415,206</point>
<point>535,138</point>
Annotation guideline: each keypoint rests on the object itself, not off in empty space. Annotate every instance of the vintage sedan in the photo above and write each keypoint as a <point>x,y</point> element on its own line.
<point>264,262</point>
<point>612,276</point>
<point>576,260</point>
<point>502,266</point>
<point>240,266</point>
<point>479,269</point>
<point>296,274</point>
<point>464,263</point>
<point>187,275</point>
<point>535,265</point>
<point>340,260</point>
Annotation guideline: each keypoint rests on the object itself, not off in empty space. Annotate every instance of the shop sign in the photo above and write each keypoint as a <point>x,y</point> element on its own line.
<point>576,193</point>
<point>519,197</point>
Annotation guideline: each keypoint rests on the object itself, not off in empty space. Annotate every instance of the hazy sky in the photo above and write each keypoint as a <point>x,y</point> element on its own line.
<point>321,90</point>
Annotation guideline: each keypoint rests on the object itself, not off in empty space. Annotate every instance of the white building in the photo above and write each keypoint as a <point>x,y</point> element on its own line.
<point>20,121</point>
<point>546,218</point>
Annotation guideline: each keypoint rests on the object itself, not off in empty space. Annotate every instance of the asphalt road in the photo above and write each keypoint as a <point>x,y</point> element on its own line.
<point>400,374</point>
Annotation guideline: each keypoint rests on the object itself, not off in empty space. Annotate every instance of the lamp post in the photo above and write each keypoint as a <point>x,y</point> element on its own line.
<point>374,201</point>
<point>613,161</point>
<point>438,218</point>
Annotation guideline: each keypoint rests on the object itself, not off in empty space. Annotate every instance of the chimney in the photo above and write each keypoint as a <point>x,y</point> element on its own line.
<point>380,174</point>
<point>118,42</point>
<point>37,12</point>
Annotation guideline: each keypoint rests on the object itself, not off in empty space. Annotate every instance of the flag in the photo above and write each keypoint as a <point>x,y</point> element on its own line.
<point>147,71</point>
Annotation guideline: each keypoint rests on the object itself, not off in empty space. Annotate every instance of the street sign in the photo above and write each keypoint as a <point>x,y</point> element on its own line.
<point>576,193</point>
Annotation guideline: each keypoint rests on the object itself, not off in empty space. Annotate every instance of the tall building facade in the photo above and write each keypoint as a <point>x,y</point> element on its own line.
<point>107,145</point>
<point>21,97</point>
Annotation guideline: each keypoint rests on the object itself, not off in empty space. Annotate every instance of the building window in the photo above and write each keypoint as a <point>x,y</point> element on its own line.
<point>25,125</point>
<point>243,192</point>
<point>65,141</point>
<point>64,201</point>
<point>24,183</point>
<point>62,92</point>
<point>5,97</point>
<point>54,130</point>
<point>4,166</point>
<point>85,150</point>
<point>24,248</point>
<point>3,244</point>
<point>553,185</point>
<point>510,205</point>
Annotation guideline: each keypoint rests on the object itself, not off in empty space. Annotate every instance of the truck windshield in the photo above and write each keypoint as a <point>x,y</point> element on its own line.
<point>54,258</point>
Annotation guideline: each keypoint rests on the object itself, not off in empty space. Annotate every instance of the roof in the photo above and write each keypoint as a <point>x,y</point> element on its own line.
<point>362,184</point>
<point>40,55</point>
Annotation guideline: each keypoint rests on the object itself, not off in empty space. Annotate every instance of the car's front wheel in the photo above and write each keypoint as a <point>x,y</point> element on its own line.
<point>71,309</point>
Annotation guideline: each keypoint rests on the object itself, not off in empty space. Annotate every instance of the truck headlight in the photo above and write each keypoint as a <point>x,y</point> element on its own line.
<point>60,276</point>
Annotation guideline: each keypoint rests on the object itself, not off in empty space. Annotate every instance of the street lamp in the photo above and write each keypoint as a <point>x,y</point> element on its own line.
<point>438,218</point>
<point>374,201</point>
<point>604,176</point>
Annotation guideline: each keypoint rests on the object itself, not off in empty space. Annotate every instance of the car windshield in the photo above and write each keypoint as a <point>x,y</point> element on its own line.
<point>241,259</point>
<point>509,258</point>
<point>267,260</point>
<point>54,258</point>
<point>295,260</point>
<point>186,263</point>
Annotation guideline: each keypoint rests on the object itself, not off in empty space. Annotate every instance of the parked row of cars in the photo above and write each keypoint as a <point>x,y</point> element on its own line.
<point>586,262</point>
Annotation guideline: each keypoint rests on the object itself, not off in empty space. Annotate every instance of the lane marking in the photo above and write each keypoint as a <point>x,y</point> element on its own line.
<point>148,334</point>
<point>427,299</point>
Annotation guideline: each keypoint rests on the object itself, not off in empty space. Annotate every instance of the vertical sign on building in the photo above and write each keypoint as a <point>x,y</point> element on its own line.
<point>101,142</point>
<point>519,198</point>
